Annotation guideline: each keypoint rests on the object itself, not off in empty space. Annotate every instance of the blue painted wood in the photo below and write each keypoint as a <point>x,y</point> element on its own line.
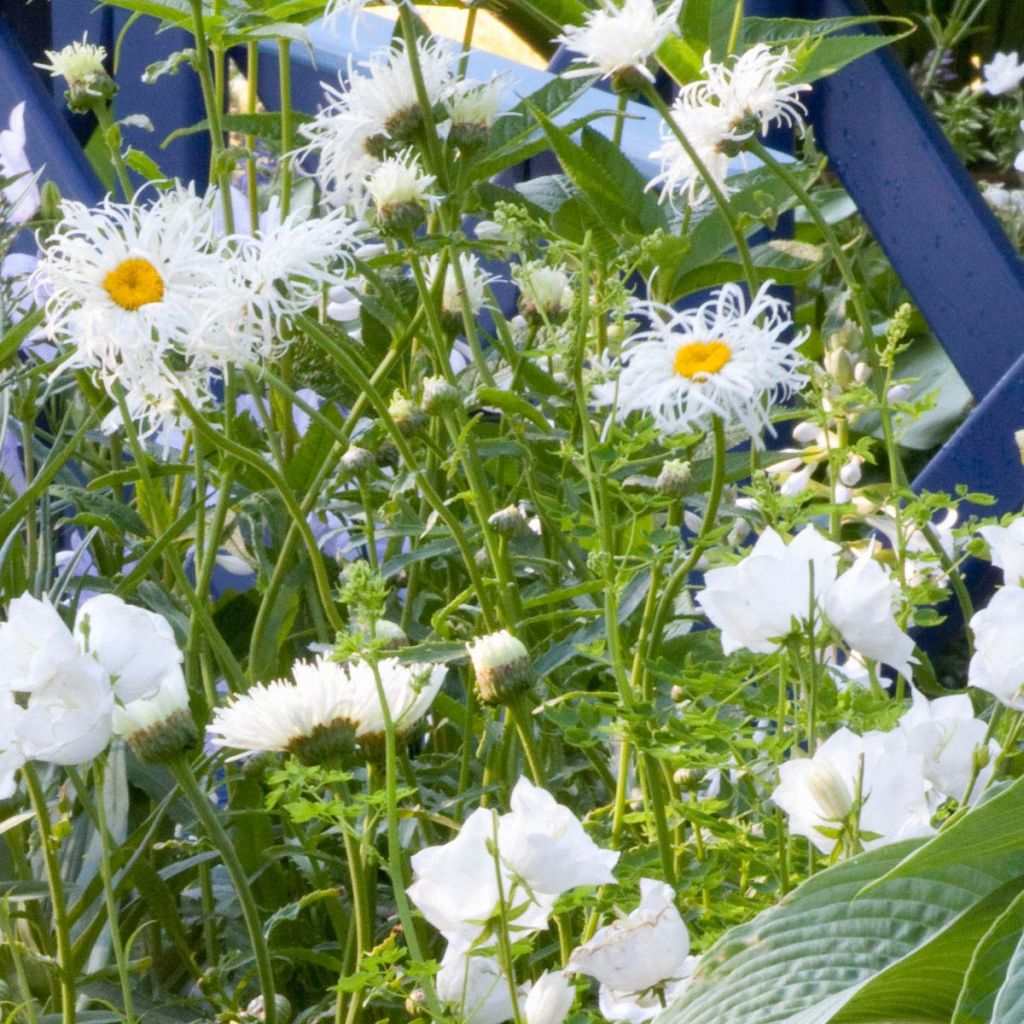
<point>923,208</point>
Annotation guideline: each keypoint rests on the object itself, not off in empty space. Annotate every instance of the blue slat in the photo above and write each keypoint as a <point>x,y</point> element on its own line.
<point>923,208</point>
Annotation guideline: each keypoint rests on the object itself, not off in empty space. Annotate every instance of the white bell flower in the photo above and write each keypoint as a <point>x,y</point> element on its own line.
<point>35,644</point>
<point>476,985</point>
<point>818,794</point>
<point>456,884</point>
<point>22,195</point>
<point>68,721</point>
<point>11,754</point>
<point>998,662</point>
<point>638,1007</point>
<point>543,843</point>
<point>860,605</point>
<point>1006,544</point>
<point>756,602</point>
<point>136,647</point>
<point>549,1000</point>
<point>949,739</point>
<point>641,950</point>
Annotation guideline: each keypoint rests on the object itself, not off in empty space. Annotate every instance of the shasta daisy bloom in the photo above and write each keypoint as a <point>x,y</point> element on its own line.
<point>753,89</point>
<point>373,112</point>
<point>270,278</point>
<point>313,716</point>
<point>473,108</point>
<point>129,285</point>
<point>724,359</point>
<point>400,191</point>
<point>408,690</point>
<point>719,113</point>
<point>707,128</point>
<point>80,64</point>
<point>615,40</point>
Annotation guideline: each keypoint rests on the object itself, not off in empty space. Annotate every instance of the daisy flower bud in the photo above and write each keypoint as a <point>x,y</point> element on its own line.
<point>472,109</point>
<point>501,665</point>
<point>80,64</point>
<point>357,460</point>
<point>508,521</point>
<point>405,415</point>
<point>439,395</point>
<point>545,293</point>
<point>159,727</point>
<point>675,479</point>
<point>400,191</point>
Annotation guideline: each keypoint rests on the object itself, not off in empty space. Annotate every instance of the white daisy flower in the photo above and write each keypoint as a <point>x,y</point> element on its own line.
<point>618,39</point>
<point>129,287</point>
<point>717,114</point>
<point>271,277</point>
<point>722,359</point>
<point>326,709</point>
<point>476,278</point>
<point>314,717</point>
<point>708,131</point>
<point>371,113</point>
<point>80,64</point>
<point>753,88</point>
<point>400,191</point>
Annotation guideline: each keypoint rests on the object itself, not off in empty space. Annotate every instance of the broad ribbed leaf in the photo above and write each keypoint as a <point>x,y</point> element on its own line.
<point>888,936</point>
<point>1009,1008</point>
<point>987,971</point>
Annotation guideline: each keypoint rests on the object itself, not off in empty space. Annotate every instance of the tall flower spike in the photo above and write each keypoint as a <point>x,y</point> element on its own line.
<point>724,359</point>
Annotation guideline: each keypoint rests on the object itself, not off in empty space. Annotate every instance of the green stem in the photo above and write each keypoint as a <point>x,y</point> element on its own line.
<point>99,770</point>
<point>111,136</point>
<point>182,771</point>
<point>66,967</point>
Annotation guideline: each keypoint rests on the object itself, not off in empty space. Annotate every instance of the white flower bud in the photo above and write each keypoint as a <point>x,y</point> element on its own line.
<point>806,432</point>
<point>550,999</point>
<point>739,533</point>
<point>899,393</point>
<point>851,471</point>
<point>862,373</point>
<point>501,665</point>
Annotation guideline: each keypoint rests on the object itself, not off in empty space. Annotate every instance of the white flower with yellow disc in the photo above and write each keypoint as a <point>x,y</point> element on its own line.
<point>724,358</point>
<point>129,285</point>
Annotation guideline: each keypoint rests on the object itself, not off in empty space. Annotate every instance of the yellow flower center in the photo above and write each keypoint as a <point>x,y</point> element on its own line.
<point>134,283</point>
<point>701,358</point>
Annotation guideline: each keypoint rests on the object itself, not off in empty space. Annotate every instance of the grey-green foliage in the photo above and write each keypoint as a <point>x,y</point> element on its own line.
<point>919,931</point>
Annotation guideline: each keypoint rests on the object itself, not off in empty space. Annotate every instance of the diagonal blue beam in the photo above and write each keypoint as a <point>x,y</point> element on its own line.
<point>922,206</point>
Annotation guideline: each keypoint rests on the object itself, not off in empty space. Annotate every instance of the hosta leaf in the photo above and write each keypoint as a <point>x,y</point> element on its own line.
<point>988,967</point>
<point>888,936</point>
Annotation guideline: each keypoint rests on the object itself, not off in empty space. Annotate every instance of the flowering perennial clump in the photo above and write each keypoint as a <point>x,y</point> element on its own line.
<point>457,565</point>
